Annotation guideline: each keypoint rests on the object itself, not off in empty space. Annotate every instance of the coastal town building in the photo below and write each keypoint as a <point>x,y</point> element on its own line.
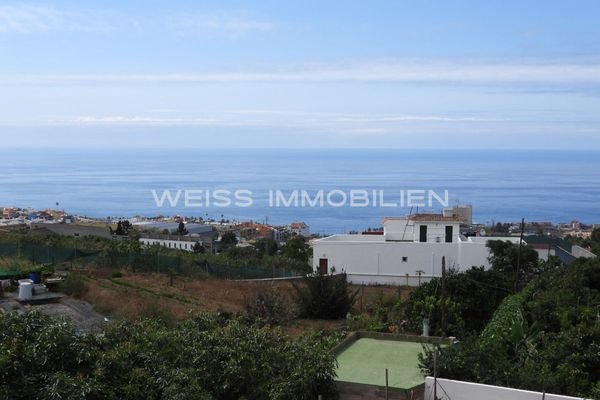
<point>165,234</point>
<point>185,243</point>
<point>550,245</point>
<point>299,228</point>
<point>409,251</point>
<point>9,212</point>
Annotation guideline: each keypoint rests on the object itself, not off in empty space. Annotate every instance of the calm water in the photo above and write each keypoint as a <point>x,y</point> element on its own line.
<point>501,185</point>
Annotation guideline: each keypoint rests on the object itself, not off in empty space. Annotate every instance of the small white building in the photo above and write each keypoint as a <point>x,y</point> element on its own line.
<point>409,251</point>
<point>170,244</point>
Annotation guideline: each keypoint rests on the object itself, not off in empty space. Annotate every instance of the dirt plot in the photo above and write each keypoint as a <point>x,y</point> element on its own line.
<point>141,295</point>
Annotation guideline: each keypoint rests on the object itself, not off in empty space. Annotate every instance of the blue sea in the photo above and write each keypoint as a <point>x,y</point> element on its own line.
<point>557,186</point>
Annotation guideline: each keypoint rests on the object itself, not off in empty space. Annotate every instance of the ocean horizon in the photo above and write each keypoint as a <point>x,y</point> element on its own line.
<point>502,185</point>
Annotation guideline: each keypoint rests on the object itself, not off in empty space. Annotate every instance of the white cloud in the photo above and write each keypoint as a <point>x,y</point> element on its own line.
<point>33,18</point>
<point>24,18</point>
<point>232,24</point>
<point>408,72</point>
<point>135,120</point>
<point>358,123</point>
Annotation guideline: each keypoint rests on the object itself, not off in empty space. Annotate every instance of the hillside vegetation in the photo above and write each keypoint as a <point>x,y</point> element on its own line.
<point>545,337</point>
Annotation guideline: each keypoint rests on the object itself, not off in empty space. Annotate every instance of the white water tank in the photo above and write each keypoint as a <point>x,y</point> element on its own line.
<point>25,289</point>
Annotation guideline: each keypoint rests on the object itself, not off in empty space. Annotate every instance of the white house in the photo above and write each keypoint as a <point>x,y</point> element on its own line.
<point>409,250</point>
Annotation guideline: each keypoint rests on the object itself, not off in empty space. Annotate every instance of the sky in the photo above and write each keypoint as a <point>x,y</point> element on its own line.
<point>278,74</point>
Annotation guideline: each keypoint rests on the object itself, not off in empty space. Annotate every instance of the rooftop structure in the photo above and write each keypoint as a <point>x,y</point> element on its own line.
<point>464,212</point>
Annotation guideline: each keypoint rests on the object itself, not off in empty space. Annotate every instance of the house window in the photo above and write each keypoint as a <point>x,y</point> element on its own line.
<point>404,259</point>
<point>423,233</point>
<point>449,234</point>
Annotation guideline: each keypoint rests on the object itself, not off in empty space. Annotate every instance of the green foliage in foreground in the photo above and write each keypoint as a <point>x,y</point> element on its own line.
<point>545,338</point>
<point>472,296</point>
<point>209,356</point>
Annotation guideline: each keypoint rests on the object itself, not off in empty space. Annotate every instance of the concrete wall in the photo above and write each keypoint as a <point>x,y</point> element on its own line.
<point>457,390</point>
<point>411,280</point>
<point>357,391</point>
<point>544,253</point>
<point>399,229</point>
<point>380,262</point>
<point>386,258</point>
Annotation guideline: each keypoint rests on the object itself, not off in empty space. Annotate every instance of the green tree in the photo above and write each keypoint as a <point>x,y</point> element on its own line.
<point>265,246</point>
<point>181,230</point>
<point>296,248</point>
<point>228,240</point>
<point>198,248</point>
<point>324,296</point>
<point>505,258</point>
<point>471,299</point>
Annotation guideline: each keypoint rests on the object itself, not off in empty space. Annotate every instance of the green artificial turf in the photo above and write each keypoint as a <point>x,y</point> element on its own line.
<point>365,362</point>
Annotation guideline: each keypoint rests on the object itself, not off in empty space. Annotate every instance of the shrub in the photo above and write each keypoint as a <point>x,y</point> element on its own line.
<point>325,297</point>
<point>269,307</point>
<point>73,285</point>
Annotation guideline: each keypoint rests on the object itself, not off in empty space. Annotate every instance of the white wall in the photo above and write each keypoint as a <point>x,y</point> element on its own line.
<point>436,232</point>
<point>398,229</point>
<point>543,253</point>
<point>457,390</point>
<point>404,230</point>
<point>376,261</point>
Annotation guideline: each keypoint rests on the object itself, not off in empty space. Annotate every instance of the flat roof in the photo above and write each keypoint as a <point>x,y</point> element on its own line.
<point>363,239</point>
<point>365,361</point>
<point>426,217</point>
<point>353,238</point>
<point>435,217</point>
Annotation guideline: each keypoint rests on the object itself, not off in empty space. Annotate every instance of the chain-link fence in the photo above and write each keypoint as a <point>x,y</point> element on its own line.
<point>139,262</point>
